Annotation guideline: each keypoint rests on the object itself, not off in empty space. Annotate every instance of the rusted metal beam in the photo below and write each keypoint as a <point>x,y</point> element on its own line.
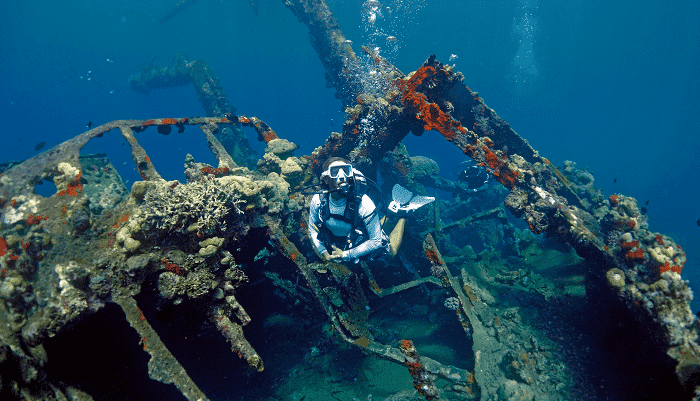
<point>333,49</point>
<point>24,176</point>
<point>210,94</point>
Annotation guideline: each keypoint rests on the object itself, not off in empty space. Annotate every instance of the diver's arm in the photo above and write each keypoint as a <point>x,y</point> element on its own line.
<point>374,231</point>
<point>314,224</point>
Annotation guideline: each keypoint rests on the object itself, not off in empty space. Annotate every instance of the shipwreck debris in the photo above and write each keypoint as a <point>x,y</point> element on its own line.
<point>162,233</point>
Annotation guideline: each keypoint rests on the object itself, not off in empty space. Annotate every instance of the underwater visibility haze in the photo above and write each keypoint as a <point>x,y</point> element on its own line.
<point>160,159</point>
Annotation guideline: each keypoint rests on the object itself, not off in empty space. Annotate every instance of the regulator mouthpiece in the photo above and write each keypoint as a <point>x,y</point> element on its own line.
<point>344,188</point>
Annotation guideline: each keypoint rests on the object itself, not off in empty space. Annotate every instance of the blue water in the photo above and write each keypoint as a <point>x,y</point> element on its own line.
<point>613,86</point>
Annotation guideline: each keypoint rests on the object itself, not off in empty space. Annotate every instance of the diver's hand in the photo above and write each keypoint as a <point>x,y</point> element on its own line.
<point>337,252</point>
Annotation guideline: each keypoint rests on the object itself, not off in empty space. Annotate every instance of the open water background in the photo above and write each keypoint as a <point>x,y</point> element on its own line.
<point>613,86</point>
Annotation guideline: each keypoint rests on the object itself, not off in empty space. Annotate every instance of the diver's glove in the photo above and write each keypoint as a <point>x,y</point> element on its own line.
<point>404,202</point>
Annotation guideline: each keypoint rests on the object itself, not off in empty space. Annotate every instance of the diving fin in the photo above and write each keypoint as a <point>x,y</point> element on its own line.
<point>418,202</point>
<point>404,201</point>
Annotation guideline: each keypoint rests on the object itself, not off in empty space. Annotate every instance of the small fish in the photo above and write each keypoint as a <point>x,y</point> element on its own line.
<point>391,38</point>
<point>697,222</point>
<point>646,203</point>
<point>614,180</point>
<point>89,124</point>
<point>39,146</point>
<point>644,210</point>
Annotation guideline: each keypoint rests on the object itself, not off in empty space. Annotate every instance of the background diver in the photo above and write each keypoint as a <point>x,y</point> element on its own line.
<point>475,177</point>
<point>346,224</point>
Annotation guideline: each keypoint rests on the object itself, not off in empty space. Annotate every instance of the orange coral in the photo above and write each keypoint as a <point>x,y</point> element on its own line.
<point>268,136</point>
<point>492,160</point>
<point>173,267</point>
<point>614,200</point>
<point>508,178</point>
<point>169,121</point>
<point>470,378</point>
<point>31,220</point>
<point>124,219</point>
<point>433,118</point>
<point>636,255</point>
<point>629,245</point>
<point>142,317</point>
<point>73,188</point>
<point>432,256</point>
<point>413,366</point>
<point>218,172</point>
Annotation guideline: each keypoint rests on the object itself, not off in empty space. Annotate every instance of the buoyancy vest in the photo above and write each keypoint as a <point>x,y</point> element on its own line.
<point>351,215</point>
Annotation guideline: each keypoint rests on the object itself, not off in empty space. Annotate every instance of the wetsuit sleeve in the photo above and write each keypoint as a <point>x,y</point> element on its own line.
<point>314,221</point>
<point>374,231</point>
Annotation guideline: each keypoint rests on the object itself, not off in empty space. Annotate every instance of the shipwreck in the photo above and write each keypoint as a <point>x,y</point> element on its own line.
<point>97,253</point>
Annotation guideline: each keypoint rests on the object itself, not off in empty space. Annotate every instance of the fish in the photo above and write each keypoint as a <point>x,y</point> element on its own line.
<point>614,180</point>
<point>697,222</point>
<point>644,210</point>
<point>89,124</point>
<point>39,146</point>
<point>647,202</point>
<point>391,38</point>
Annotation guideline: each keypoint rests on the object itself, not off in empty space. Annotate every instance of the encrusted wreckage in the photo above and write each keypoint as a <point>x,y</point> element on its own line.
<point>91,244</point>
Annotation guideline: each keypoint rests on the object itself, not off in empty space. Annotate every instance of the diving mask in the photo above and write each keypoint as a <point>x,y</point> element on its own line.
<point>341,173</point>
<point>338,171</point>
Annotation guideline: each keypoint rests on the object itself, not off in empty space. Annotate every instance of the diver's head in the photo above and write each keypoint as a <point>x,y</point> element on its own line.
<point>338,174</point>
<point>466,170</point>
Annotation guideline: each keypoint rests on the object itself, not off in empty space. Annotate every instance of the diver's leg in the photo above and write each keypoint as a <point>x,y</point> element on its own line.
<point>396,237</point>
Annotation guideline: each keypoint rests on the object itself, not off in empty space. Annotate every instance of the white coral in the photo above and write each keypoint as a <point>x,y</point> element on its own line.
<point>201,206</point>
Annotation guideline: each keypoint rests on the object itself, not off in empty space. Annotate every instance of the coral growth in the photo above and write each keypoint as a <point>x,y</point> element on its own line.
<point>204,207</point>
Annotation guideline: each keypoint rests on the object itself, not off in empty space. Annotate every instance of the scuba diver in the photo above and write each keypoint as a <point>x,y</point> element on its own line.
<point>474,176</point>
<point>345,223</point>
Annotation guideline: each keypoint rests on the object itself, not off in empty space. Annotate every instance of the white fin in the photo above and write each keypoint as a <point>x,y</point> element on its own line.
<point>418,201</point>
<point>404,201</point>
<point>401,195</point>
